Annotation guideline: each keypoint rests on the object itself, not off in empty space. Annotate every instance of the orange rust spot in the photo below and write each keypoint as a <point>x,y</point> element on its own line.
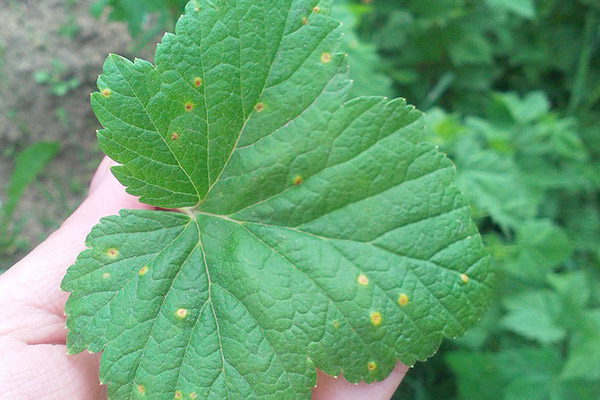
<point>402,299</point>
<point>198,82</point>
<point>317,9</point>
<point>141,389</point>
<point>178,395</point>
<point>464,278</point>
<point>371,366</point>
<point>259,107</point>
<point>375,318</point>
<point>112,253</point>
<point>143,270</point>
<point>325,58</point>
<point>193,396</point>
<point>297,180</point>
<point>362,280</point>
<point>106,92</point>
<point>181,313</point>
<point>174,136</point>
<point>304,21</point>
<point>189,106</point>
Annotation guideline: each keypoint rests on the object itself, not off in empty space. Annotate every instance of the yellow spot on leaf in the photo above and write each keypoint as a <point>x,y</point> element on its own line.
<point>198,82</point>
<point>375,318</point>
<point>106,92</point>
<point>297,180</point>
<point>336,324</point>
<point>141,389</point>
<point>112,253</point>
<point>402,299</point>
<point>178,395</point>
<point>362,280</point>
<point>106,275</point>
<point>193,396</point>
<point>371,366</point>
<point>464,278</point>
<point>189,106</point>
<point>174,136</point>
<point>304,21</point>
<point>317,9</point>
<point>325,58</point>
<point>259,107</point>
<point>181,313</point>
<point>143,270</point>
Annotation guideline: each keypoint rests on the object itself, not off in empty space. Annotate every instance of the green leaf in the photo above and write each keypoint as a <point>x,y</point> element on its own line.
<point>477,375</point>
<point>135,13</point>
<point>310,232</point>
<point>530,373</point>
<point>362,56</point>
<point>523,8</point>
<point>527,109</point>
<point>28,165</point>
<point>584,350</point>
<point>534,315</point>
<point>494,185</point>
<point>541,246</point>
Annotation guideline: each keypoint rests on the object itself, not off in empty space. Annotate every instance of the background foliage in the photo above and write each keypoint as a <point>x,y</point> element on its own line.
<point>511,91</point>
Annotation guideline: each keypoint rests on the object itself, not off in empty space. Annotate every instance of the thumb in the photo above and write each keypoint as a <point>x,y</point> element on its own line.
<point>330,388</point>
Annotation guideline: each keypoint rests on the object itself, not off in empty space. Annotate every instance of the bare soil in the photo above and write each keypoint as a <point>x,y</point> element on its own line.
<point>37,35</point>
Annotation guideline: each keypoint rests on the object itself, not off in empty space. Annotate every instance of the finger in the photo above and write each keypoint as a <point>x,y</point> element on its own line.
<point>31,302</point>
<point>55,375</point>
<point>330,388</point>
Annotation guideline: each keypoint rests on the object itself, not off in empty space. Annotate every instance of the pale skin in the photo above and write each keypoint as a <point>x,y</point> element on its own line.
<point>33,359</point>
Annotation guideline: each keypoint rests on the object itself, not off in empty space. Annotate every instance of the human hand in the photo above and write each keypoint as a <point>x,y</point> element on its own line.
<point>33,359</point>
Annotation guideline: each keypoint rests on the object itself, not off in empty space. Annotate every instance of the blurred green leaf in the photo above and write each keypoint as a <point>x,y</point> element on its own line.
<point>533,316</point>
<point>530,373</point>
<point>477,375</point>
<point>524,8</point>
<point>584,350</point>
<point>28,165</point>
<point>494,186</point>
<point>526,109</point>
<point>540,246</point>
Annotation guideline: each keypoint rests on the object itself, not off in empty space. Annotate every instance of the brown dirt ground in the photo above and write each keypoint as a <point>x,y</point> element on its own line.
<point>31,40</point>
